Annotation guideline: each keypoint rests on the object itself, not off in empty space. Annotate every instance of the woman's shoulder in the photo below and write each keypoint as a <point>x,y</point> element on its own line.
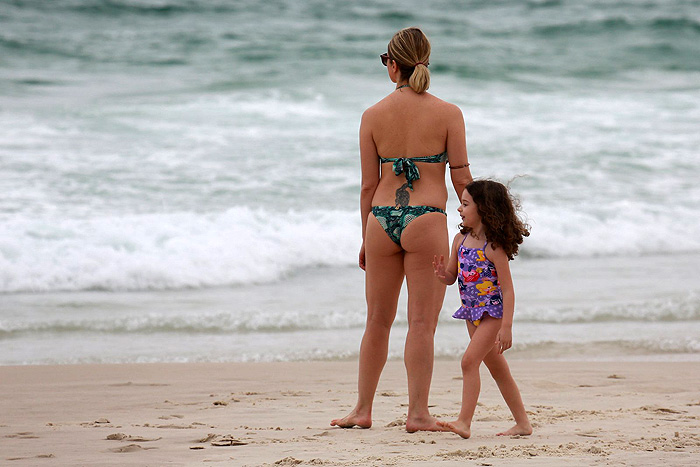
<point>377,108</point>
<point>451,111</point>
<point>372,112</point>
<point>446,112</point>
<point>448,106</point>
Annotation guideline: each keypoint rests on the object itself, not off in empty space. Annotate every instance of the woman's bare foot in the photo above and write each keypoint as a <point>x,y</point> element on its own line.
<point>517,430</point>
<point>353,419</point>
<point>422,424</point>
<point>461,428</point>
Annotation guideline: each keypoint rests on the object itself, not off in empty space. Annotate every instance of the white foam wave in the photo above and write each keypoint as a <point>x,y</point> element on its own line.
<point>258,321</point>
<point>170,251</point>
<point>245,245</point>
<point>683,308</point>
<point>621,228</point>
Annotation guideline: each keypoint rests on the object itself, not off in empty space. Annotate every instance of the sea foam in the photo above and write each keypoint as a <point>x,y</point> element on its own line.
<point>244,245</point>
<point>171,251</point>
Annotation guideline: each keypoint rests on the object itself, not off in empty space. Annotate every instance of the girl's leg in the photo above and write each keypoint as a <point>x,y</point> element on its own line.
<point>383,278</point>
<point>483,338</point>
<point>498,367</point>
<point>422,239</point>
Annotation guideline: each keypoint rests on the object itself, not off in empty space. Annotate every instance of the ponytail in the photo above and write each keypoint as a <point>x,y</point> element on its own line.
<point>420,78</point>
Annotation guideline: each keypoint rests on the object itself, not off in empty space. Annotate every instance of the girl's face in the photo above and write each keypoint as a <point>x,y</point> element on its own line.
<point>467,211</point>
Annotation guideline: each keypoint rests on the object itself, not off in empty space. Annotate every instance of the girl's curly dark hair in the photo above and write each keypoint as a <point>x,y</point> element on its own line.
<point>499,215</point>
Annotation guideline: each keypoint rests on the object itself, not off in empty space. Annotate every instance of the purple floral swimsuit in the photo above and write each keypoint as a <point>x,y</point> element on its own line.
<point>478,285</point>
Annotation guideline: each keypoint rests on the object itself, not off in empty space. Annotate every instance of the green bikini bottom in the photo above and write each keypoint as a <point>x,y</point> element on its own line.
<point>394,219</point>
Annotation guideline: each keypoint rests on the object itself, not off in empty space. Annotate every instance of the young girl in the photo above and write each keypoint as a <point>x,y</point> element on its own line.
<point>489,236</point>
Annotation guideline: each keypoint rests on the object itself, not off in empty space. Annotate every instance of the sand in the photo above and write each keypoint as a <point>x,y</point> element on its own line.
<point>584,413</point>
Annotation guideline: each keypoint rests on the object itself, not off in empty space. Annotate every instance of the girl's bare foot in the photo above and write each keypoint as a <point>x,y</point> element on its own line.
<point>461,428</point>
<point>422,424</point>
<point>517,430</point>
<point>353,419</point>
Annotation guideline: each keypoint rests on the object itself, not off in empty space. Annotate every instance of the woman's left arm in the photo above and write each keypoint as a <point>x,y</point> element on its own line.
<point>504,340</point>
<point>456,145</point>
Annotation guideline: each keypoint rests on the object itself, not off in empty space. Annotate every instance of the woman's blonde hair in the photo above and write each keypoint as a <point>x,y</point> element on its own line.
<point>410,49</point>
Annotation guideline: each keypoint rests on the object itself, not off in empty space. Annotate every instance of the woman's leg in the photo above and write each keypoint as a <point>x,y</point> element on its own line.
<point>422,239</point>
<point>383,278</point>
<point>498,367</point>
<point>483,338</point>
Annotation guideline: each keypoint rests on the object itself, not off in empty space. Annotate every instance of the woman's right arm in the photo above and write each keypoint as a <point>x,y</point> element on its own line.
<point>457,150</point>
<point>369,163</point>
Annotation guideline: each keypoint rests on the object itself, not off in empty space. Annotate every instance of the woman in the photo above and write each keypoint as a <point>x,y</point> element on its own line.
<point>405,141</point>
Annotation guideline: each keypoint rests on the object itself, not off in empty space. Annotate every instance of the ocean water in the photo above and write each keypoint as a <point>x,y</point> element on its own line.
<point>180,178</point>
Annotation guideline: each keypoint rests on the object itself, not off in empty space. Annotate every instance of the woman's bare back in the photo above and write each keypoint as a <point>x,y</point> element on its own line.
<point>406,124</point>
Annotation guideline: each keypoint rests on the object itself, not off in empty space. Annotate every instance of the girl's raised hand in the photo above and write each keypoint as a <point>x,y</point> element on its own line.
<point>439,266</point>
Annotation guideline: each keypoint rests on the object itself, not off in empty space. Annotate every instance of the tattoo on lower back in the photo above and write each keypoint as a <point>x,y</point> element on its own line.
<point>402,196</point>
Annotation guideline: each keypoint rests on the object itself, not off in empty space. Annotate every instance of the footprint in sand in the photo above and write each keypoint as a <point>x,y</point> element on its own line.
<point>23,435</point>
<point>118,385</point>
<point>40,456</point>
<point>219,440</point>
<point>397,422</point>
<point>96,423</point>
<point>122,437</point>
<point>130,448</point>
<point>209,437</point>
<point>490,418</point>
<point>289,461</point>
<point>660,410</point>
<point>176,427</point>
<point>228,442</point>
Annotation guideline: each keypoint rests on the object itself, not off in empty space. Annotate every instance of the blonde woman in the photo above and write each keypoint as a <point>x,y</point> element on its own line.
<point>406,141</point>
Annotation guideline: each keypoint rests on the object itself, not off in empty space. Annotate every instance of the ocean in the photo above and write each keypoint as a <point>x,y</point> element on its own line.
<point>180,178</point>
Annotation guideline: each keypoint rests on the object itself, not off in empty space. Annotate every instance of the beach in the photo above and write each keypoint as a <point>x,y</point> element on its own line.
<point>179,230</point>
<point>251,414</point>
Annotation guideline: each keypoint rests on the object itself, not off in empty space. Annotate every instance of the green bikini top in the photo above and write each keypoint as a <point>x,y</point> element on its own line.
<point>407,165</point>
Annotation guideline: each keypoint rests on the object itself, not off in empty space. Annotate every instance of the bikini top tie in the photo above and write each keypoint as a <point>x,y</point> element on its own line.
<point>407,165</point>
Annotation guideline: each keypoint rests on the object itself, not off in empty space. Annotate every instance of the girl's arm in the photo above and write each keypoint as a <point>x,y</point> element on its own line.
<point>460,174</point>
<point>448,274</point>
<point>504,339</point>
<point>369,163</point>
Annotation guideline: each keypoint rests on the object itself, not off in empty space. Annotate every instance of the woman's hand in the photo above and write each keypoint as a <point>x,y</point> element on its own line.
<point>439,267</point>
<point>504,339</point>
<point>362,256</point>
